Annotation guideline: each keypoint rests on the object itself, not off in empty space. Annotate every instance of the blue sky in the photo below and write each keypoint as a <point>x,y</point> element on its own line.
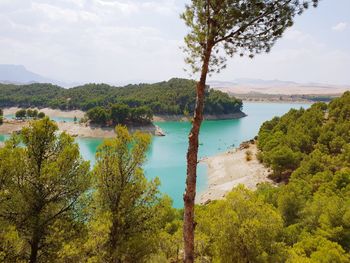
<point>118,41</point>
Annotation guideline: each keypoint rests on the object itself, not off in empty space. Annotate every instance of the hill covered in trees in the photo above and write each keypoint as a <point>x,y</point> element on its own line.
<point>301,136</point>
<point>176,96</point>
<point>307,217</point>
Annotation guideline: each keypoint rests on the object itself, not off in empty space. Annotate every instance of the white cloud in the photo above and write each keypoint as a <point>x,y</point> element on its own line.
<point>340,27</point>
<point>55,13</point>
<point>127,8</point>
<point>293,34</point>
<point>118,40</point>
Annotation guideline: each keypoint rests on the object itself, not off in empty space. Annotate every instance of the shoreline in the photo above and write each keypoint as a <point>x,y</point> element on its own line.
<point>208,117</point>
<point>94,131</point>
<point>280,102</point>
<point>229,169</point>
<point>156,118</point>
<point>77,129</point>
<point>49,112</point>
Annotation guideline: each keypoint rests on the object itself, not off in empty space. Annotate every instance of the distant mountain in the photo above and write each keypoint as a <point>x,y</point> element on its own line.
<point>245,86</point>
<point>274,82</point>
<point>252,82</point>
<point>19,74</point>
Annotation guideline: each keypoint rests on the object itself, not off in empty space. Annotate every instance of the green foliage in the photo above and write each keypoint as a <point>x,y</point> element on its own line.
<point>317,249</point>
<point>120,114</point>
<point>172,97</point>
<point>26,96</point>
<point>29,113</point>
<point>98,115</point>
<point>230,27</point>
<point>241,228</point>
<point>125,223</point>
<point>306,220</point>
<point>32,113</point>
<point>41,115</point>
<point>42,184</point>
<point>11,244</point>
<point>285,141</point>
<point>46,199</point>
<point>21,114</point>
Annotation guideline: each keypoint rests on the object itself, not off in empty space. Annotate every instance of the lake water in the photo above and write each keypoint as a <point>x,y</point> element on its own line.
<point>167,155</point>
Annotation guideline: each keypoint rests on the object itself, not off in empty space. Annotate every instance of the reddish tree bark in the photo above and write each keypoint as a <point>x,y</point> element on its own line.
<point>192,160</point>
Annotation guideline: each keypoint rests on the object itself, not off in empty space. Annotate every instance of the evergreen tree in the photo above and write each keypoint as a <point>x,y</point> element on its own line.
<point>220,28</point>
<point>42,184</point>
<point>124,225</point>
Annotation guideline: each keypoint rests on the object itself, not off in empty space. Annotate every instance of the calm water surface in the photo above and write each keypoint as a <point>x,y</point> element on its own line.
<point>167,155</point>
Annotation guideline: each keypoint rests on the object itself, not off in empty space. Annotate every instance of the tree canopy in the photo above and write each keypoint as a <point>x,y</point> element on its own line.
<point>288,141</point>
<point>175,96</point>
<point>42,185</point>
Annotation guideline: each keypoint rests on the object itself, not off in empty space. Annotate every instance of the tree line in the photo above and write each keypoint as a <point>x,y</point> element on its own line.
<point>29,114</point>
<point>120,114</point>
<point>53,208</point>
<point>176,96</point>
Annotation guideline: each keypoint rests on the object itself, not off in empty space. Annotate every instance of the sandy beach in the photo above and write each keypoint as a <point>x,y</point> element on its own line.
<point>156,118</point>
<point>230,169</point>
<point>50,112</point>
<point>74,129</point>
<point>84,130</point>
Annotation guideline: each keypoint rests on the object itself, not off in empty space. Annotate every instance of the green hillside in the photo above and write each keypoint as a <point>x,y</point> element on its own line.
<point>176,96</point>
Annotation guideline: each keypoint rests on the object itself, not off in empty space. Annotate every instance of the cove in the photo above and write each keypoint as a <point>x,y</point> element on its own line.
<point>166,157</point>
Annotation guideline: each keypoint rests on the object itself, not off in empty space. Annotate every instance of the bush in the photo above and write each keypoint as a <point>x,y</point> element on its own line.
<point>248,155</point>
<point>41,115</point>
<point>21,114</point>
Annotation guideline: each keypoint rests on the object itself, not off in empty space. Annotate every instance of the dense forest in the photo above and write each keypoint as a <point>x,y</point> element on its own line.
<point>176,96</point>
<point>307,217</point>
<point>53,208</point>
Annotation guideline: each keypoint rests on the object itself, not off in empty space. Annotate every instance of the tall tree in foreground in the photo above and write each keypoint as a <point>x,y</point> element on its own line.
<point>220,28</point>
<point>41,185</point>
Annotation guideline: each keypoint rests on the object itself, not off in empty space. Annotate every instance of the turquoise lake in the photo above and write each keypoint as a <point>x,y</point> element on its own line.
<point>167,155</point>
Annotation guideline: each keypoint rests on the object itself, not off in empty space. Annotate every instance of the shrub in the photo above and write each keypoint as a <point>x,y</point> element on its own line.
<point>248,155</point>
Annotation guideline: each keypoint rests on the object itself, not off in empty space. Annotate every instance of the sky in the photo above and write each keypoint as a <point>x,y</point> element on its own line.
<point>121,41</point>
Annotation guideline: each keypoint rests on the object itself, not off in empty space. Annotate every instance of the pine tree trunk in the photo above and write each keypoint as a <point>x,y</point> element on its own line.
<point>34,247</point>
<point>192,159</point>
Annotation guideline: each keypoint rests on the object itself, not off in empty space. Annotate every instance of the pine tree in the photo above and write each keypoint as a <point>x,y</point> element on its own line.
<point>42,183</point>
<point>221,28</point>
